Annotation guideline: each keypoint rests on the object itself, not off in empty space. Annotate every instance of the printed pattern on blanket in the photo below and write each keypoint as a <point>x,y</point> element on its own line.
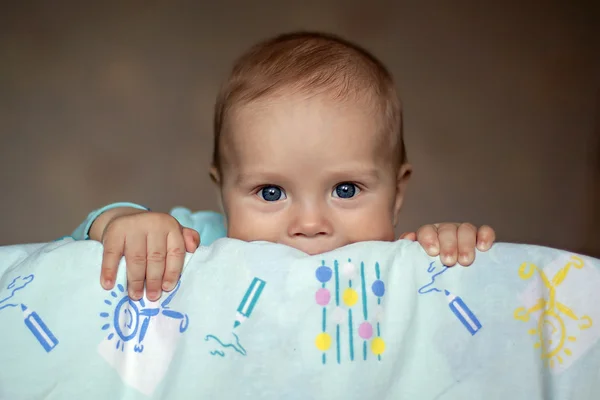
<point>258,320</point>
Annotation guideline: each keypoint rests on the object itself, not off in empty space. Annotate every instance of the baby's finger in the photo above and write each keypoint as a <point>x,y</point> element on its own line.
<point>191,239</point>
<point>408,236</point>
<point>447,234</point>
<point>467,235</point>
<point>427,236</point>
<point>111,257</point>
<point>136,257</point>
<point>175,258</point>
<point>156,254</point>
<point>486,236</point>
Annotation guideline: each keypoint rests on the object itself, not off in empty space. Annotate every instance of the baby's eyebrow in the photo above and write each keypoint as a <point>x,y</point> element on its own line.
<point>344,173</point>
<point>258,177</point>
<point>355,173</point>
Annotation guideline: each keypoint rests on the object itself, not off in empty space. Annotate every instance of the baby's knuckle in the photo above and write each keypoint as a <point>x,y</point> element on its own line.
<point>109,251</point>
<point>136,281</point>
<point>176,252</point>
<point>137,258</point>
<point>156,256</point>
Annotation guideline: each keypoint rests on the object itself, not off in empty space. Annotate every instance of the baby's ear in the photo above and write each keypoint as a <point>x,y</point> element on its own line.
<point>215,176</point>
<point>402,178</point>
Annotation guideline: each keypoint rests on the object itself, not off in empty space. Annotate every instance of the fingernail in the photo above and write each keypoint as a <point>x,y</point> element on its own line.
<point>107,283</point>
<point>463,258</point>
<point>153,294</point>
<point>481,245</point>
<point>167,286</point>
<point>135,295</point>
<point>433,248</point>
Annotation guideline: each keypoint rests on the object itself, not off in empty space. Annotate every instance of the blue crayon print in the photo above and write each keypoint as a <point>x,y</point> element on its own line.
<point>39,329</point>
<point>17,284</point>
<point>249,301</point>
<point>237,346</point>
<point>463,313</point>
<point>429,286</point>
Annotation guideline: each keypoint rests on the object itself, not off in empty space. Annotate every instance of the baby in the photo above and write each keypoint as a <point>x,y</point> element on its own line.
<point>308,152</point>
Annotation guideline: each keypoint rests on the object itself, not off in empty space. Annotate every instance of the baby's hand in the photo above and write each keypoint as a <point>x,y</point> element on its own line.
<point>154,245</point>
<point>453,242</point>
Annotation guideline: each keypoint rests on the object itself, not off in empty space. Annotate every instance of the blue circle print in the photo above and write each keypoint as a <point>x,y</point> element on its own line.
<point>378,288</point>
<point>323,274</point>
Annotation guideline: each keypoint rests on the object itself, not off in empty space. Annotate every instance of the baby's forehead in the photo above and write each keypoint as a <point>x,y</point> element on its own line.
<point>302,114</point>
<point>291,102</point>
<point>312,130</point>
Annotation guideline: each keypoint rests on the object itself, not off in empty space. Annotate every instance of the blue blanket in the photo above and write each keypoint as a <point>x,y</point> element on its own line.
<point>263,321</point>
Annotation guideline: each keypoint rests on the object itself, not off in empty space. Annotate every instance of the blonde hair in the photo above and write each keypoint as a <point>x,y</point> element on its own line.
<point>312,62</point>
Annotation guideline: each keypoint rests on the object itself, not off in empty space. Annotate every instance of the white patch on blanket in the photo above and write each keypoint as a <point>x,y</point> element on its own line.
<point>144,370</point>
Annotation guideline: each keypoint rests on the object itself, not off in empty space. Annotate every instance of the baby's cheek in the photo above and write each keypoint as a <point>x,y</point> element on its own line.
<point>387,235</point>
<point>249,229</point>
<point>379,228</point>
<point>237,229</point>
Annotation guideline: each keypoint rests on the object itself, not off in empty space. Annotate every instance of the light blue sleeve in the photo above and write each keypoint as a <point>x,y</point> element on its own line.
<point>209,224</point>
<point>83,230</point>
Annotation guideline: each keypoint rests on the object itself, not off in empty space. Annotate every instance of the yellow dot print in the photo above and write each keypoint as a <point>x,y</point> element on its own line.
<point>377,346</point>
<point>323,341</point>
<point>350,297</point>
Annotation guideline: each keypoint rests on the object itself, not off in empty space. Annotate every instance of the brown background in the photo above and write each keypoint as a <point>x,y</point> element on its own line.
<point>113,101</point>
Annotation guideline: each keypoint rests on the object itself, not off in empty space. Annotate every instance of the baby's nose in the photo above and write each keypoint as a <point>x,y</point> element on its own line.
<point>310,222</point>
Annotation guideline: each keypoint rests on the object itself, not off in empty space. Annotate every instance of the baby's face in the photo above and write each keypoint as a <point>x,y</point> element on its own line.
<point>308,173</point>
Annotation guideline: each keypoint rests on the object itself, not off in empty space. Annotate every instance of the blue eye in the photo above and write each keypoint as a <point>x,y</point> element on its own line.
<point>272,193</point>
<point>346,190</point>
